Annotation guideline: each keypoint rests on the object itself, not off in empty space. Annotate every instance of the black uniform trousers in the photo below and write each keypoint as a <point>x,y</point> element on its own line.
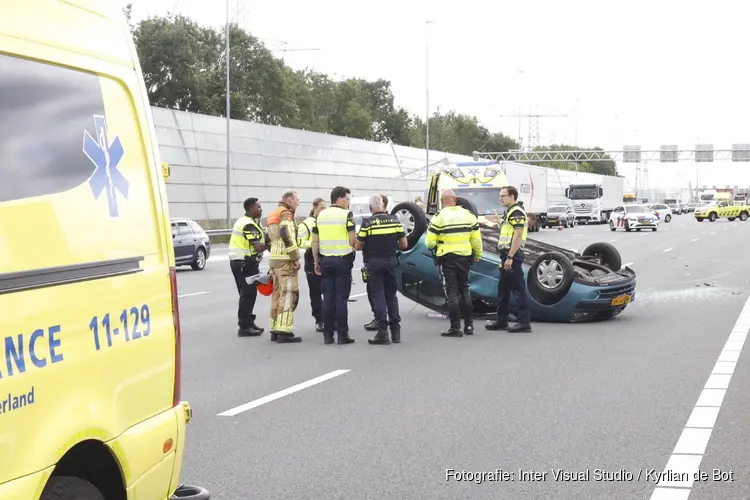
<point>382,291</point>
<point>314,284</point>
<point>512,282</point>
<point>455,271</point>
<point>242,269</point>
<point>336,284</point>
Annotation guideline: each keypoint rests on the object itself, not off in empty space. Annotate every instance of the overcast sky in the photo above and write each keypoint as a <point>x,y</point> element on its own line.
<point>638,72</point>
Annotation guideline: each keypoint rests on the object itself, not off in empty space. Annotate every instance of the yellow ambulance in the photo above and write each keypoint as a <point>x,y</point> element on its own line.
<point>90,404</point>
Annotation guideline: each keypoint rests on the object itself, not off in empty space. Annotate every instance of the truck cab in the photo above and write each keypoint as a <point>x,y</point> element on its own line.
<point>589,202</point>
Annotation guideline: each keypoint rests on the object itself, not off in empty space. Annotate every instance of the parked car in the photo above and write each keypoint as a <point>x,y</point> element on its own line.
<point>192,246</point>
<point>563,286</point>
<point>559,215</point>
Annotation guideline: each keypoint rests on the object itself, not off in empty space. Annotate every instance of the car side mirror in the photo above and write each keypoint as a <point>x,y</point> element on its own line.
<point>601,192</point>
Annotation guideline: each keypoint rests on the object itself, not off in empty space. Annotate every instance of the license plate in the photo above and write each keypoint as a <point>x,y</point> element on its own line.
<point>621,300</point>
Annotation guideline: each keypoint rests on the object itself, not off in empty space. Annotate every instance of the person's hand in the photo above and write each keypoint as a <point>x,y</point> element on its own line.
<point>297,265</point>
<point>317,269</point>
<point>508,263</point>
<point>477,258</point>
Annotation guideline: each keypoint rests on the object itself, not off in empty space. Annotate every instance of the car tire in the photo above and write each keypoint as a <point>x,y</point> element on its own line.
<point>612,226</point>
<point>199,263</point>
<point>667,218</point>
<point>414,220</point>
<point>743,216</point>
<point>731,219</point>
<point>550,277</point>
<point>699,219</point>
<point>70,488</point>
<point>712,217</point>
<point>607,254</point>
<point>468,205</point>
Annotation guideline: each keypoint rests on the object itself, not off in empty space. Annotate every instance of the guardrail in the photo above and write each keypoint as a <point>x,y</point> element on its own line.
<point>218,232</point>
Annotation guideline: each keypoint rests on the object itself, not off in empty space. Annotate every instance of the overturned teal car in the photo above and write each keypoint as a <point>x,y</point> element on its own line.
<point>562,286</point>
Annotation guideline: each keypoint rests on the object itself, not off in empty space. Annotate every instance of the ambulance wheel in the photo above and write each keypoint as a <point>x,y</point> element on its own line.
<point>413,219</point>
<point>70,488</point>
<point>743,216</point>
<point>605,254</point>
<point>468,205</point>
<point>712,217</point>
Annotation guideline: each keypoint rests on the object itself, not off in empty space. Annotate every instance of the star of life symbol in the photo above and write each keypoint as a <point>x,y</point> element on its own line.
<point>105,157</point>
<point>474,171</point>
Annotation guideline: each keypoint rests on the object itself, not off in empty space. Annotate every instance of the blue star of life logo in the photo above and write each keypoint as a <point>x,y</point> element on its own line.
<point>474,171</point>
<point>105,157</point>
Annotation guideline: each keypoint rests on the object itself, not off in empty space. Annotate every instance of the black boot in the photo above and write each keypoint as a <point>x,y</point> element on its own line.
<point>454,331</point>
<point>319,326</point>
<point>518,327</point>
<point>396,335</point>
<point>345,339</point>
<point>249,332</point>
<point>468,328</point>
<point>274,336</point>
<point>372,326</point>
<point>287,338</point>
<point>256,327</point>
<point>496,325</point>
<point>380,338</point>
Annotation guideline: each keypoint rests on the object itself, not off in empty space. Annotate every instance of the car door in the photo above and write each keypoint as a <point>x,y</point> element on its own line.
<point>617,216</point>
<point>183,241</point>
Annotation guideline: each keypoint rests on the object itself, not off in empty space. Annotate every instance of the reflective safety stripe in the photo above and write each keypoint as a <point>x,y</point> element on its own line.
<point>454,230</point>
<point>279,250</point>
<point>304,233</point>
<point>239,246</point>
<point>332,232</point>
<point>506,229</point>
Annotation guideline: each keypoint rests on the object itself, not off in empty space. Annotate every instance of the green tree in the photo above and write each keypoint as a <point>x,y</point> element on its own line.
<point>459,133</point>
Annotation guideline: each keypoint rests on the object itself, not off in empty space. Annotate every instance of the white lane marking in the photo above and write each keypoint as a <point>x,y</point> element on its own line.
<point>612,241</point>
<point>626,265</point>
<point>191,294</point>
<point>713,232</point>
<point>726,228</point>
<point>578,234</point>
<point>281,394</point>
<point>669,249</point>
<point>358,295</point>
<point>644,234</point>
<point>695,239</point>
<point>691,446</point>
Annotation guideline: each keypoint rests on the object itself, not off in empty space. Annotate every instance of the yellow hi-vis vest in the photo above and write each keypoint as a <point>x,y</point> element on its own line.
<point>240,246</point>
<point>515,215</point>
<point>305,232</point>
<point>454,230</point>
<point>332,232</point>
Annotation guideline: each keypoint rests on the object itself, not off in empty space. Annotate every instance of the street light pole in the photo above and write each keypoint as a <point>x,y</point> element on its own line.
<point>229,120</point>
<point>427,99</point>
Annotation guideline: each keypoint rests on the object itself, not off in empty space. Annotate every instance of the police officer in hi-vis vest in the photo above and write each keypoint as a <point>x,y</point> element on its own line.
<point>333,252</point>
<point>304,236</point>
<point>285,265</point>
<point>246,247</point>
<point>510,244</point>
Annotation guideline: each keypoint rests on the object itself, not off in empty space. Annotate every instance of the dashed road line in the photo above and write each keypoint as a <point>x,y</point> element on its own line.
<point>626,265</point>
<point>669,249</point>
<point>713,232</point>
<point>688,453</point>
<point>695,239</point>
<point>612,241</point>
<point>191,294</point>
<point>280,394</point>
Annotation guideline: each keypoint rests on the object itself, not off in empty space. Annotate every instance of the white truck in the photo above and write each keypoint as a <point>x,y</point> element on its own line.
<point>595,201</point>
<point>531,183</point>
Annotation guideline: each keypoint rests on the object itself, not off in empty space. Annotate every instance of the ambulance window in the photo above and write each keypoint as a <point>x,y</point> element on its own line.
<point>44,113</point>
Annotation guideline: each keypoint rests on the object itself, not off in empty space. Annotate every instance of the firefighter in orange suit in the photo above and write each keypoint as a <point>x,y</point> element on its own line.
<point>285,265</point>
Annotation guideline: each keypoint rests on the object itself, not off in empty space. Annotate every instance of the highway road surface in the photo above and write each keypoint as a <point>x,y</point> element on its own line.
<point>611,405</point>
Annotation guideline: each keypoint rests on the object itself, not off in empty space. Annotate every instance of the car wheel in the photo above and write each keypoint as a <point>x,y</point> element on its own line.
<point>612,226</point>
<point>550,277</point>
<point>604,254</point>
<point>199,263</point>
<point>667,218</point>
<point>413,219</point>
<point>70,488</point>
<point>743,216</point>
<point>712,217</point>
<point>653,229</point>
<point>699,219</point>
<point>731,219</point>
<point>468,205</point>
<point>627,226</point>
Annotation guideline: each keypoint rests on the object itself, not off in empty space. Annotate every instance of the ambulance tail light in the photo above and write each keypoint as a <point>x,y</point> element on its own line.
<point>176,395</point>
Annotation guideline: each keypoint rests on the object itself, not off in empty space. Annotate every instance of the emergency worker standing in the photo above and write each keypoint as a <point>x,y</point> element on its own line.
<point>246,247</point>
<point>380,238</point>
<point>510,248</point>
<point>285,265</point>
<point>454,232</point>
<point>372,326</point>
<point>333,253</point>
<point>304,236</point>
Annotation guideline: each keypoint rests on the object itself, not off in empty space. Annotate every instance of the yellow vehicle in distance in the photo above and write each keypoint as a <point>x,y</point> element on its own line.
<point>629,198</point>
<point>90,400</point>
<point>723,208</point>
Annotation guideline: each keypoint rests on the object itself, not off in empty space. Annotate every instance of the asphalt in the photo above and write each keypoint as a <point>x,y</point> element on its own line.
<point>612,396</point>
